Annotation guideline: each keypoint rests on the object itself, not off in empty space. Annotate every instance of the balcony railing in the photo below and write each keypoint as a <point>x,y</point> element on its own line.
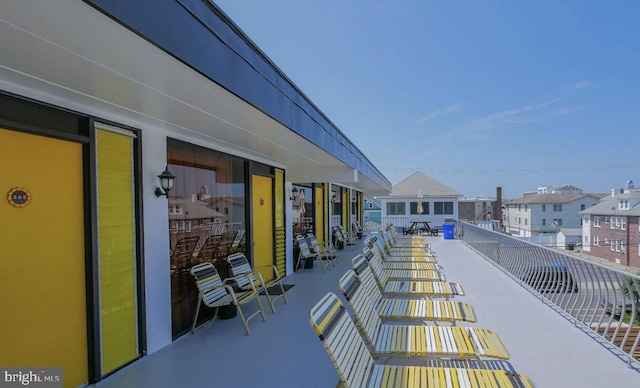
<point>594,296</point>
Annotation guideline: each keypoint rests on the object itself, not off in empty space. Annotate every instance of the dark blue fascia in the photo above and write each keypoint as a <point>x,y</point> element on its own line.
<point>200,35</point>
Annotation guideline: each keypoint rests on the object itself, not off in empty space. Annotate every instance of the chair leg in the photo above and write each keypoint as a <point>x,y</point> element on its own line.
<point>264,317</point>
<point>324,270</point>
<point>195,319</point>
<point>266,292</point>
<point>284,294</point>
<point>244,321</point>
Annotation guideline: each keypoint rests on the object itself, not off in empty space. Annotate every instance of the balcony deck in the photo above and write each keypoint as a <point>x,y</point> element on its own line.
<point>285,352</point>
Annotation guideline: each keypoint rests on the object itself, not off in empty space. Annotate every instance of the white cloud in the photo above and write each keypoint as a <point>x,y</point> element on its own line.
<point>433,115</point>
<point>482,126</point>
<point>565,110</point>
<point>582,85</point>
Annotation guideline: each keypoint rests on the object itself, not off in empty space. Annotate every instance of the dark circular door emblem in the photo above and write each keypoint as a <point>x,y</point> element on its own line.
<point>18,197</point>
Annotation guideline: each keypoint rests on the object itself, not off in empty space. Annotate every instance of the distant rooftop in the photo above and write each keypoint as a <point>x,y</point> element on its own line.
<point>428,186</point>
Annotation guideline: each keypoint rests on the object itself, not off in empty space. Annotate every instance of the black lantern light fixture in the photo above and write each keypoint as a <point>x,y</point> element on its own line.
<point>334,197</point>
<point>294,194</point>
<point>166,183</point>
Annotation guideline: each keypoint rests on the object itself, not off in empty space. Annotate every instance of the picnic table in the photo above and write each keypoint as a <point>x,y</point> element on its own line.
<point>421,227</point>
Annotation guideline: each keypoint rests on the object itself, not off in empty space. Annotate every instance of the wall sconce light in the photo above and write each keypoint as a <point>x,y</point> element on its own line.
<point>166,183</point>
<point>294,194</point>
<point>334,197</point>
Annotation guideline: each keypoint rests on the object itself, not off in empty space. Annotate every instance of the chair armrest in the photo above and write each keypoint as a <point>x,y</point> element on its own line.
<point>273,267</point>
<point>239,276</point>
<point>229,289</point>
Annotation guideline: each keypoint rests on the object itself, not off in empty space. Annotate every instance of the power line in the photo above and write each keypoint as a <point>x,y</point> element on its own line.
<point>510,170</point>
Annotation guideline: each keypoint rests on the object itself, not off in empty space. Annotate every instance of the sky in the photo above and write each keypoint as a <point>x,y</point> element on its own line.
<point>476,94</point>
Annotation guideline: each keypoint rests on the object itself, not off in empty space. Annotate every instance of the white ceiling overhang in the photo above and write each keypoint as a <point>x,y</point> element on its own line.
<point>67,53</point>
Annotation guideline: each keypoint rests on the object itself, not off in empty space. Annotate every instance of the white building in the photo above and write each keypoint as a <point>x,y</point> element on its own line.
<point>537,214</point>
<point>439,201</point>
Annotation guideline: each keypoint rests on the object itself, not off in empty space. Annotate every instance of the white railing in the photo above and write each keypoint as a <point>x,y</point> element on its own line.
<point>595,296</point>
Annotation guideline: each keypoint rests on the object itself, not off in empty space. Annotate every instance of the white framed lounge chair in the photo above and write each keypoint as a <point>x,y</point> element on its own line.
<point>213,292</point>
<point>239,265</point>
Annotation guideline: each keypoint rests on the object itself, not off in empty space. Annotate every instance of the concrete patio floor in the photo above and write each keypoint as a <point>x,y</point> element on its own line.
<point>285,352</point>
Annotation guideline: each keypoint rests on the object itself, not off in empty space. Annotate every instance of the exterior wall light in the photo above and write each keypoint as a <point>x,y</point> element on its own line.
<point>294,194</point>
<point>166,183</point>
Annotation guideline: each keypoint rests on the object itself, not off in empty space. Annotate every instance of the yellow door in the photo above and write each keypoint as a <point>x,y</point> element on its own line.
<point>42,272</point>
<point>318,211</point>
<point>262,223</point>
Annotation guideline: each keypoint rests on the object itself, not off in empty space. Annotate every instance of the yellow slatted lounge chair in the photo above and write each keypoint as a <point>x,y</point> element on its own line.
<point>424,341</point>
<point>397,248</point>
<point>374,254</point>
<point>410,288</point>
<point>239,265</point>
<point>408,256</point>
<point>378,267</point>
<point>213,292</point>
<point>356,288</point>
<point>356,367</point>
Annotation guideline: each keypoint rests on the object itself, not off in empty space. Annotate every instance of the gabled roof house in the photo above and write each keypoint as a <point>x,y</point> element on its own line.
<point>439,201</point>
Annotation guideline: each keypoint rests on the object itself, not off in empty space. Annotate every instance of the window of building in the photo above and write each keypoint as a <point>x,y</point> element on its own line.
<point>623,204</point>
<point>544,208</point>
<point>413,208</point>
<point>596,221</point>
<point>623,246</point>
<point>443,208</point>
<point>619,223</point>
<point>606,220</point>
<point>596,241</point>
<point>396,209</point>
<point>208,200</point>
<point>582,206</point>
<point>526,207</point>
<point>557,208</point>
<point>526,220</point>
<point>606,240</point>
<point>544,222</point>
<point>519,221</point>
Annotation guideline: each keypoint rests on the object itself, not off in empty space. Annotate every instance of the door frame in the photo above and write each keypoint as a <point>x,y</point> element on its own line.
<point>56,122</point>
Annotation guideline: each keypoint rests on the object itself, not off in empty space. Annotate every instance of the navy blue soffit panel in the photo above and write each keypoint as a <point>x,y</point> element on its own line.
<point>200,35</point>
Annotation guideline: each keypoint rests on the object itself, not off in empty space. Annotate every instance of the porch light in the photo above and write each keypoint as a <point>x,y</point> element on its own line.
<point>294,194</point>
<point>166,183</point>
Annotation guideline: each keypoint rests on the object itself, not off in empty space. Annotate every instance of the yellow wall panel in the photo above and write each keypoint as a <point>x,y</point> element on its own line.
<point>116,247</point>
